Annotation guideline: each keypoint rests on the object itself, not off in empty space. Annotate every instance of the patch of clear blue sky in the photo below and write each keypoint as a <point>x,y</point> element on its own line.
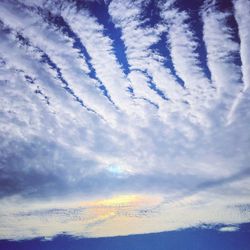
<point>206,238</point>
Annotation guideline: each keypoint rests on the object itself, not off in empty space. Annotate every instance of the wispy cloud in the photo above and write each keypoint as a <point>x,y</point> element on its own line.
<point>101,51</point>
<point>222,54</point>
<point>242,9</point>
<point>184,53</point>
<point>138,40</point>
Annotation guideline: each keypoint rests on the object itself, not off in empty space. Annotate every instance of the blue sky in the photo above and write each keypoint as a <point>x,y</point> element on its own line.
<point>123,117</point>
<point>193,238</point>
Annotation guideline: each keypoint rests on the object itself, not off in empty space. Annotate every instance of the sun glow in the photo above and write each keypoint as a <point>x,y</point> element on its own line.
<point>123,200</point>
<point>117,208</point>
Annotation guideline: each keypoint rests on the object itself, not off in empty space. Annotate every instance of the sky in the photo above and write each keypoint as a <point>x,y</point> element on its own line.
<point>192,238</point>
<point>123,117</point>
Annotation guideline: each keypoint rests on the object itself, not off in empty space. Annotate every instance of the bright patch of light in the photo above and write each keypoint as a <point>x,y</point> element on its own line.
<point>115,169</point>
<point>229,229</point>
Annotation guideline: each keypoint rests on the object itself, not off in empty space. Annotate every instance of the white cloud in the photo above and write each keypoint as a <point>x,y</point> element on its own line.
<point>138,40</point>
<point>102,55</point>
<point>222,52</point>
<point>242,9</point>
<point>60,50</point>
<point>183,46</point>
<point>229,229</point>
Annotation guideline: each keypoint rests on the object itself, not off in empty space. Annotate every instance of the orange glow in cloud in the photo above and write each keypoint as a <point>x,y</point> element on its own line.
<point>117,206</point>
<point>123,200</point>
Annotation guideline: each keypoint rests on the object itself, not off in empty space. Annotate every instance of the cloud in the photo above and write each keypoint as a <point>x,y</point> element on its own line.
<point>229,229</point>
<point>138,41</point>
<point>76,127</point>
<point>222,52</point>
<point>63,58</point>
<point>242,18</point>
<point>101,52</point>
<point>183,45</point>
